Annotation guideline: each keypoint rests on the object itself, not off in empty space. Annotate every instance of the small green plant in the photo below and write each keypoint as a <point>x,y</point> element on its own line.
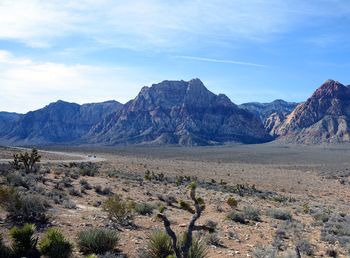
<point>279,214</point>
<point>119,211</point>
<point>237,217</point>
<point>251,213</point>
<point>55,245</point>
<point>28,208</point>
<point>144,208</point>
<point>159,245</point>
<point>24,241</point>
<point>97,240</point>
<point>232,202</point>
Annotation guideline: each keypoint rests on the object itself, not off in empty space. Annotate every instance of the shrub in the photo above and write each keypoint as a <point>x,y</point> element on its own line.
<point>103,191</point>
<point>23,207</point>
<point>88,169</point>
<point>97,240</point>
<point>144,208</point>
<point>336,229</point>
<point>159,245</point>
<point>55,245</point>
<point>119,210</point>
<point>305,247</point>
<point>24,241</point>
<point>84,183</point>
<point>251,213</point>
<point>213,239</point>
<point>279,214</point>
<point>232,202</point>
<point>237,217</point>
<point>74,192</point>
<point>198,249</point>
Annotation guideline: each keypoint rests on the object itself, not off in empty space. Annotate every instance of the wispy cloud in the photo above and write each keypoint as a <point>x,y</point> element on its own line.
<point>154,24</point>
<point>213,60</point>
<point>27,83</point>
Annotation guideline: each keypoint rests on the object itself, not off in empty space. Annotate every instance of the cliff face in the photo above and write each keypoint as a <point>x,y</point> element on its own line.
<point>323,118</point>
<point>179,112</point>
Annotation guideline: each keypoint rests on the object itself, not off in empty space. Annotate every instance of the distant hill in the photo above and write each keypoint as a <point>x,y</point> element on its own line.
<point>323,118</point>
<point>271,114</point>
<point>59,122</point>
<point>179,112</point>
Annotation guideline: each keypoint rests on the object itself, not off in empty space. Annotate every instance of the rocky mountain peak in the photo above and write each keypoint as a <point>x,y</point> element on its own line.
<point>331,89</point>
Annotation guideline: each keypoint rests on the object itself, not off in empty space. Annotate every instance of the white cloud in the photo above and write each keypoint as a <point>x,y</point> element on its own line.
<point>224,61</point>
<point>26,84</point>
<point>155,23</point>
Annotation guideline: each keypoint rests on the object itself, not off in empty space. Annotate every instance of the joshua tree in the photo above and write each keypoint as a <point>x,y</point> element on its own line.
<point>28,160</point>
<point>182,248</point>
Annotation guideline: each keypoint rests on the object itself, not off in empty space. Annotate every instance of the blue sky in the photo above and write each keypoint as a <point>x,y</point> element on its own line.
<point>89,51</point>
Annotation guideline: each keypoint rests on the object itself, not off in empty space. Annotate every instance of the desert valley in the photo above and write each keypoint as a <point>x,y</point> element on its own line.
<point>265,179</point>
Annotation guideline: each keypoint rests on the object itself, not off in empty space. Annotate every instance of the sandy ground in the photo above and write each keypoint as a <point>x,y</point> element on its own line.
<point>308,175</point>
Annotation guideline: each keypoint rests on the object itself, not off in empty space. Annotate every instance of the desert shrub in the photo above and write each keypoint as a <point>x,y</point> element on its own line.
<point>4,250</point>
<point>84,183</point>
<point>336,229</point>
<point>144,208</point>
<point>237,217</point>
<point>251,213</point>
<point>55,245</point>
<point>88,169</point>
<point>198,249</point>
<point>58,196</point>
<point>23,207</point>
<point>24,241</point>
<point>210,225</point>
<point>159,245</point>
<point>305,247</point>
<point>66,182</point>
<point>69,204</point>
<point>168,199</point>
<point>16,179</point>
<point>264,252</point>
<point>214,240</point>
<point>322,215</point>
<point>74,192</point>
<point>74,175</point>
<point>119,211</point>
<point>103,191</point>
<point>279,214</point>
<point>232,202</point>
<point>97,240</point>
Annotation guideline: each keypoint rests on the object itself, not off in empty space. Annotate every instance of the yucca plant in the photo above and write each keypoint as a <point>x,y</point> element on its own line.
<point>24,241</point>
<point>97,240</point>
<point>159,245</point>
<point>55,245</point>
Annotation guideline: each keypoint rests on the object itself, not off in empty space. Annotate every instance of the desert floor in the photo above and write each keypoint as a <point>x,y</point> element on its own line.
<point>304,181</point>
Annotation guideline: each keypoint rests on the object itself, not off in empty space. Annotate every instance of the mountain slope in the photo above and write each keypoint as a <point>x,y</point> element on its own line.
<point>59,122</point>
<point>8,121</point>
<point>323,118</point>
<point>271,114</point>
<point>179,112</point>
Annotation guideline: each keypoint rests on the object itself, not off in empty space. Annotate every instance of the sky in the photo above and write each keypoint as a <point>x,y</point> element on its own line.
<point>96,50</point>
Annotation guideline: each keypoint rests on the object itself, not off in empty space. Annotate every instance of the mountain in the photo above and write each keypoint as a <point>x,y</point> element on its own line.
<point>323,118</point>
<point>7,121</point>
<point>179,112</point>
<point>59,122</point>
<point>271,114</point>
